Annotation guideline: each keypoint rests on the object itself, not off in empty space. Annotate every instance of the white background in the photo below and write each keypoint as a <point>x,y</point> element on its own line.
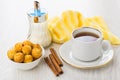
<point>14,27</point>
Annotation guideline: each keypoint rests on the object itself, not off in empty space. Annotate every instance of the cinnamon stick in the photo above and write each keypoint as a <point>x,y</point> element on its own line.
<point>36,19</point>
<point>56,56</point>
<point>36,7</point>
<point>36,4</point>
<point>58,68</point>
<point>47,60</point>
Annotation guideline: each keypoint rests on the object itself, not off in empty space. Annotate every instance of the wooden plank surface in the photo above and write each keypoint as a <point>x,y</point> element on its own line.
<point>43,72</point>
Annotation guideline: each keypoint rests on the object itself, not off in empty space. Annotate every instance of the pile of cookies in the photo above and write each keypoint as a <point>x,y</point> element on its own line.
<point>25,52</point>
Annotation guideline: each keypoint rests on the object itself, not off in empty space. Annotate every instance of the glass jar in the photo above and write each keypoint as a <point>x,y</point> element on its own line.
<point>38,31</point>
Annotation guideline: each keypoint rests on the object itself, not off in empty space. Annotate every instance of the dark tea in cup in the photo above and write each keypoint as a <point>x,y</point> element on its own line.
<point>86,36</point>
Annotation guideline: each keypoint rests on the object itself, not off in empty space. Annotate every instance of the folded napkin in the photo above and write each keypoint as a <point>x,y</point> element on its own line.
<point>99,23</point>
<point>61,27</point>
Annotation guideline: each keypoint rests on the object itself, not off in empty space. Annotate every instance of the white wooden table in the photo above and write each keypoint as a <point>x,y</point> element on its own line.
<point>14,28</point>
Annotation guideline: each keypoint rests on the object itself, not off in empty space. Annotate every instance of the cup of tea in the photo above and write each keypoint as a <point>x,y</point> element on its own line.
<point>88,44</point>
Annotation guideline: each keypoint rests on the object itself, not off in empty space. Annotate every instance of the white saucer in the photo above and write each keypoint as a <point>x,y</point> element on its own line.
<point>66,55</point>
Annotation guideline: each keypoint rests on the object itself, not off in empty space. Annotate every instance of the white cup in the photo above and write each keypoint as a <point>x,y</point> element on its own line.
<point>88,50</point>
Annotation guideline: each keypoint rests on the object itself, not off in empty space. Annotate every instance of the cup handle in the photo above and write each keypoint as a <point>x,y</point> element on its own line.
<point>106,45</point>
